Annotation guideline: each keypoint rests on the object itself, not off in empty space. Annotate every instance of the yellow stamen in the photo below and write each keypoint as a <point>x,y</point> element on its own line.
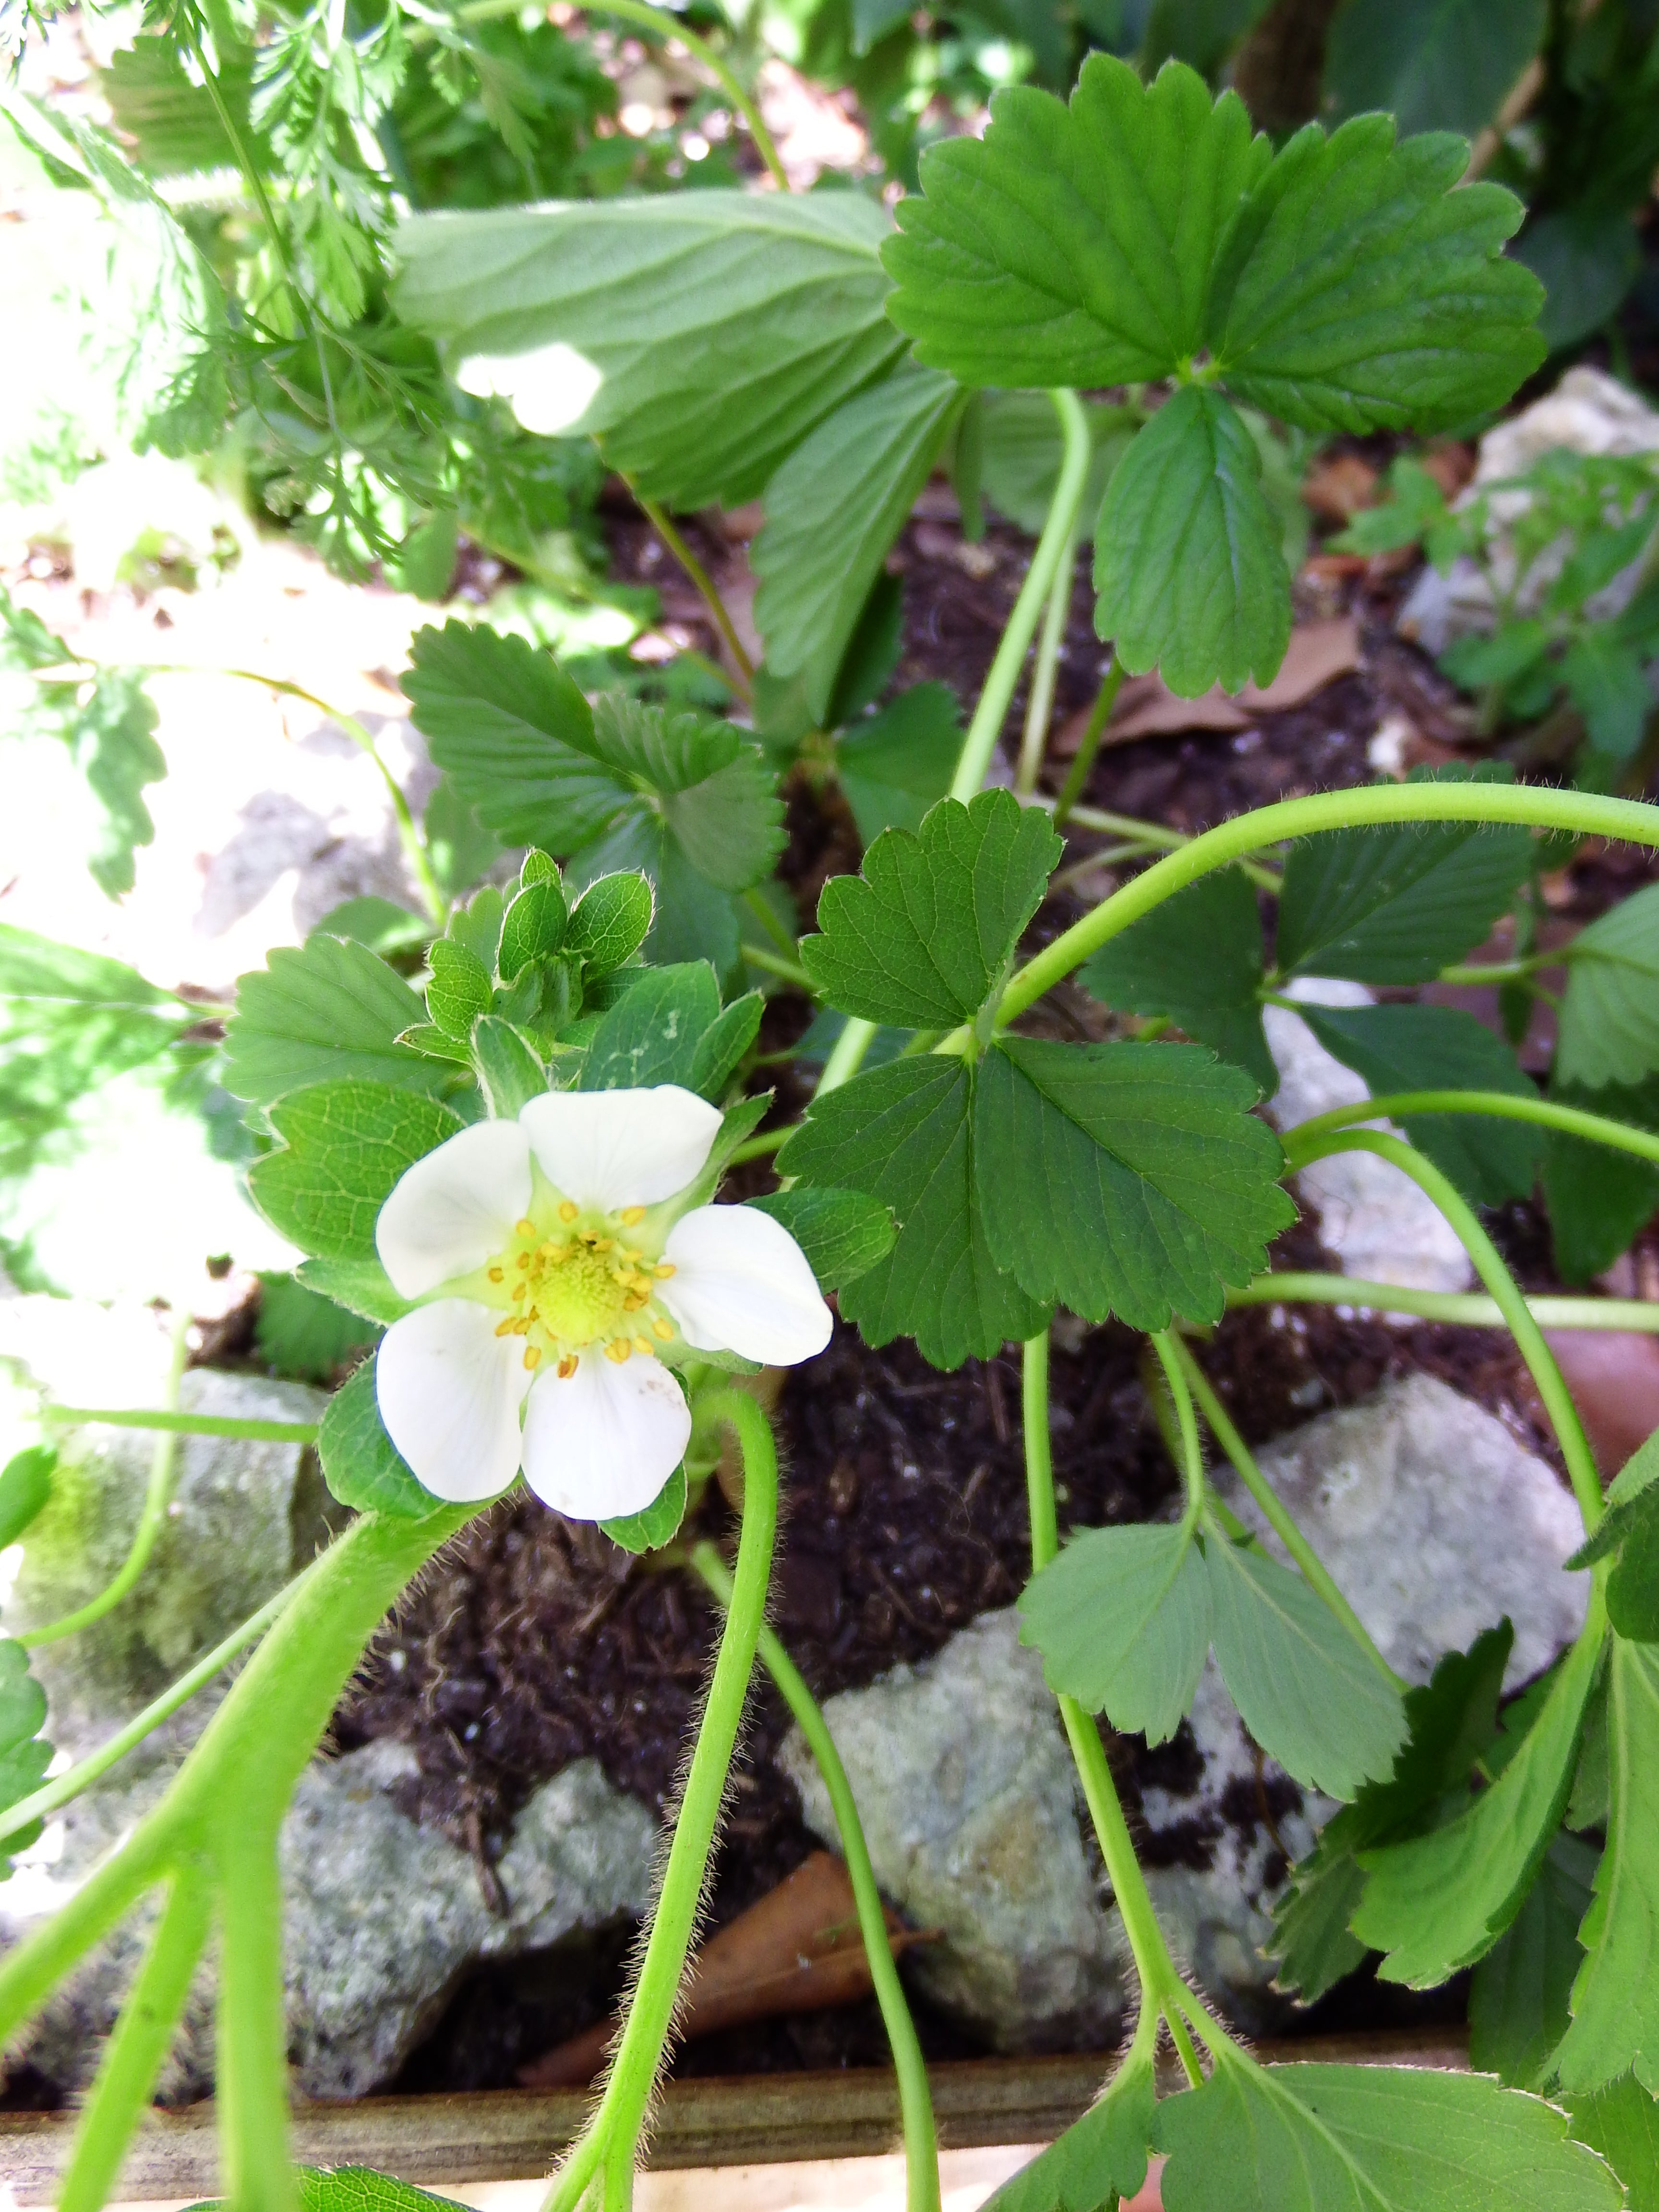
<point>497,1274</point>
<point>507,1326</point>
<point>664,1329</point>
<point>631,1214</point>
<point>567,1212</point>
<point>662,1270</point>
<point>641,1344</point>
<point>522,1261</point>
<point>526,1228</point>
<point>618,1352</point>
<point>567,1366</point>
<point>532,1353</point>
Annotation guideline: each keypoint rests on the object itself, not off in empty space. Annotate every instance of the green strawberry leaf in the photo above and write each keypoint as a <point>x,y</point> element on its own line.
<point>344,1147</point>
<point>843,1233</point>
<point>1197,959</point>
<point>323,1010</point>
<point>1122,1617</point>
<point>1610,1017</point>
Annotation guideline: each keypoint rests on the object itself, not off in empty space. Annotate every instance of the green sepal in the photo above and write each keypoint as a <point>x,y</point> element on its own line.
<point>843,1233</point>
<point>363,1286</point>
<point>344,1147</point>
<point>533,928</point>
<point>655,1524</point>
<point>361,1465</point>
<point>460,990</point>
<point>24,1488</point>
<point>610,921</point>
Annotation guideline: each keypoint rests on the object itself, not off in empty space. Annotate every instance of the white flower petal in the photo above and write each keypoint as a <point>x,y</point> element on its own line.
<point>601,1442</point>
<point>451,1210</point>
<point>741,1283</point>
<point>608,1149</point>
<point>449,1391</point>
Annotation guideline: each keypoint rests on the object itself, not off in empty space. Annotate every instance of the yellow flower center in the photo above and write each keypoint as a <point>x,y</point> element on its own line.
<point>574,1283</point>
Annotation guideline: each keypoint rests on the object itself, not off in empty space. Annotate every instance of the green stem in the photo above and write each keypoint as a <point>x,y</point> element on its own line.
<point>658,517</point>
<point>915,2100</point>
<point>986,725</point>
<point>1394,1106</point>
<point>135,2051</point>
<point>1314,1570</point>
<point>772,963</point>
<point>612,2134</point>
<point>1076,776</point>
<point>667,26</point>
<point>1489,1265</point>
<point>1190,1458</point>
<point>1584,813</point>
<point>182,1425</point>
<point>781,938</point>
<point>1161,1988</point>
<point>1472,1311</point>
<point>1497,971</point>
<point>70,1784</point>
<point>769,1140</point>
<point>1040,705</point>
<point>158,1496</point>
<point>252,2030</point>
<point>846,1055</point>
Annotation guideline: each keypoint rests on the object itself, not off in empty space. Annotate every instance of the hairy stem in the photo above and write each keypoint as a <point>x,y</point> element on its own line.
<point>70,1784</point>
<point>1489,1265</point>
<point>158,1496</point>
<point>1544,1112</point>
<point>139,2045</point>
<point>1472,1311</point>
<point>1314,1570</point>
<point>613,2137</point>
<point>252,2030</point>
<point>700,579</point>
<point>1622,820</point>
<point>182,1425</point>
<point>1040,705</point>
<point>1083,761</point>
<point>985,727</point>
<point>916,2099</point>
<point>1161,1988</point>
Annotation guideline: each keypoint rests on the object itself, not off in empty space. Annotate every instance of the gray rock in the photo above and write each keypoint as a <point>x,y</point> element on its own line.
<point>383,1917</point>
<point>966,1788</point>
<point>1379,1225</point>
<point>1435,1521</point>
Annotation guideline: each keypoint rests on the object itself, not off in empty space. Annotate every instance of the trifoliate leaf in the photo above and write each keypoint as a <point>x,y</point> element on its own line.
<point>652,1034</point>
<point>1450,1721</point>
<point>609,922</point>
<point>1189,569</point>
<point>1097,2160</point>
<point>1518,1995</point>
<point>920,937</point>
<point>701,336</point>
<point>25,1487</point>
<point>1598,1198</point>
<point>302,1333</point>
<point>1122,1617</point>
<point>1363,288</point>
<point>1396,905</point>
<point>361,1465</point>
<point>323,1010</point>
<point>1400,1048</point>
<point>1128,1179</point>
<point>843,1233</point>
<point>1370,2139</point>
<point>1439,1902</point>
<point>1610,1017</point>
<point>1198,960</point>
<point>344,1145</point>
<point>833,510</point>
<point>904,1134</point>
<point>1615,1998</point>
<point>24,1753</point>
<point>653,1525</point>
<point>894,766</point>
<point>1073,245</point>
<point>1309,1695</point>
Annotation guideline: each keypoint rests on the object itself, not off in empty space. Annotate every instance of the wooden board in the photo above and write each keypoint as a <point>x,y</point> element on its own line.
<point>509,2134</point>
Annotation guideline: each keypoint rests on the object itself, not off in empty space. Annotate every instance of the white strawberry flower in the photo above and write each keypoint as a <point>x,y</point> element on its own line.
<point>556,1260</point>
